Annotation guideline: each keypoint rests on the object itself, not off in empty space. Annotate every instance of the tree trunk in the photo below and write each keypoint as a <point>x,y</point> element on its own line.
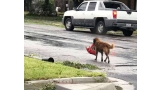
<point>70,4</point>
<point>61,4</point>
<point>77,2</point>
<point>29,5</point>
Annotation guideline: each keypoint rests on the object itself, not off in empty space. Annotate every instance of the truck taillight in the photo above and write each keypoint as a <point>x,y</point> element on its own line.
<point>114,14</point>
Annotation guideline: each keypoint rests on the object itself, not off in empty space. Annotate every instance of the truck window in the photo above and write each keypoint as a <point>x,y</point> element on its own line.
<point>100,6</point>
<point>114,5</point>
<point>124,7</point>
<point>82,7</point>
<point>92,6</point>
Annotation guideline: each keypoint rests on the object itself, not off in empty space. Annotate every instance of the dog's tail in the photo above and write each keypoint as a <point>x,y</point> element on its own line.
<point>110,46</point>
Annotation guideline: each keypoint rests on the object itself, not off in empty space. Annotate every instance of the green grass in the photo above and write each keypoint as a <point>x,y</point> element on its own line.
<point>49,87</point>
<point>119,88</point>
<point>55,21</point>
<point>36,69</point>
<point>79,65</point>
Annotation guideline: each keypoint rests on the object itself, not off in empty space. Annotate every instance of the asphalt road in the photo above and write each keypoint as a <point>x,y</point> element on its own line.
<point>49,41</point>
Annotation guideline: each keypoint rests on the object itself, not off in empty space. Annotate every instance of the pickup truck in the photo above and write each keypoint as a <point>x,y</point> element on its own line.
<point>101,16</point>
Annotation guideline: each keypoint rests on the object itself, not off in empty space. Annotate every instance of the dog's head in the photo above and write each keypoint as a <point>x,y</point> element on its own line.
<point>95,40</point>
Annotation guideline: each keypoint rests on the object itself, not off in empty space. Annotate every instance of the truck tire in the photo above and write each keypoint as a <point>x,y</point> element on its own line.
<point>68,24</point>
<point>127,33</point>
<point>100,28</point>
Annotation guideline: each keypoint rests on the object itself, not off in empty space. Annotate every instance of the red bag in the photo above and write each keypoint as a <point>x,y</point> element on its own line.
<point>91,50</point>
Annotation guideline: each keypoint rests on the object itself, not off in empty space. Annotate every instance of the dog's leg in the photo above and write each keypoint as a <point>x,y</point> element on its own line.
<point>108,59</point>
<point>101,56</point>
<point>105,59</point>
<point>96,55</point>
<point>106,53</point>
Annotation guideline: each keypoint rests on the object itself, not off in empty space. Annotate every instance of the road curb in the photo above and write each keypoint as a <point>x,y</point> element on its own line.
<point>36,84</point>
<point>121,83</point>
<point>33,56</point>
<point>72,80</point>
<point>89,83</point>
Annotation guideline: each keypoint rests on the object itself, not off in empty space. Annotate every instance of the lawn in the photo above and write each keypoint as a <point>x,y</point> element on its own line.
<point>36,69</point>
<point>55,21</point>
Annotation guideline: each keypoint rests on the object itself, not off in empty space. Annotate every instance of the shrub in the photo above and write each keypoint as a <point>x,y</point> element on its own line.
<point>80,66</point>
<point>43,8</point>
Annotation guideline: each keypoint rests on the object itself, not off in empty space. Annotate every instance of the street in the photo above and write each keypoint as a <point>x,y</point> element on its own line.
<point>49,41</point>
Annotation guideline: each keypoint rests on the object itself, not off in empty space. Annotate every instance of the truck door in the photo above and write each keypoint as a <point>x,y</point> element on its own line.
<point>89,14</point>
<point>79,15</point>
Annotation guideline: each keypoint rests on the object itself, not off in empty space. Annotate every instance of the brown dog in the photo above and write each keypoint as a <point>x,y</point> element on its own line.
<point>102,47</point>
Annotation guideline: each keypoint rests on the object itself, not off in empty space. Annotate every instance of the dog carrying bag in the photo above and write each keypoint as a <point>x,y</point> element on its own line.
<point>91,50</point>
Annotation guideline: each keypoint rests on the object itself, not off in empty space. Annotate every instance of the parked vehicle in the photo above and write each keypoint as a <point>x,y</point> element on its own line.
<point>101,16</point>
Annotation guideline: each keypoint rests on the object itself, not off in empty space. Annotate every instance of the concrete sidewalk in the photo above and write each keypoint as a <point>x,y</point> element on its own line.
<point>86,86</point>
<point>81,83</point>
<point>121,83</point>
<point>111,84</point>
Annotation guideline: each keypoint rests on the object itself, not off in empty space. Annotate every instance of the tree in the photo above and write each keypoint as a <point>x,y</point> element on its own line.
<point>46,2</point>
<point>77,2</point>
<point>61,4</point>
<point>47,7</point>
<point>27,5</point>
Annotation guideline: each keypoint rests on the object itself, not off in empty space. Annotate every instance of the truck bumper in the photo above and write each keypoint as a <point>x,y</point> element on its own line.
<point>121,24</point>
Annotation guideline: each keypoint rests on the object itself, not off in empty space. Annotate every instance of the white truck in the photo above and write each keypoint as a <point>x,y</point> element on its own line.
<point>101,16</point>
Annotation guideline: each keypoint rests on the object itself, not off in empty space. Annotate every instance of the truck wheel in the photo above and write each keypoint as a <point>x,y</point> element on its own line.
<point>68,24</point>
<point>100,28</point>
<point>127,33</point>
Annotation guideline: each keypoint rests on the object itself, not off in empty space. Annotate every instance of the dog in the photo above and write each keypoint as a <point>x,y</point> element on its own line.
<point>102,47</point>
